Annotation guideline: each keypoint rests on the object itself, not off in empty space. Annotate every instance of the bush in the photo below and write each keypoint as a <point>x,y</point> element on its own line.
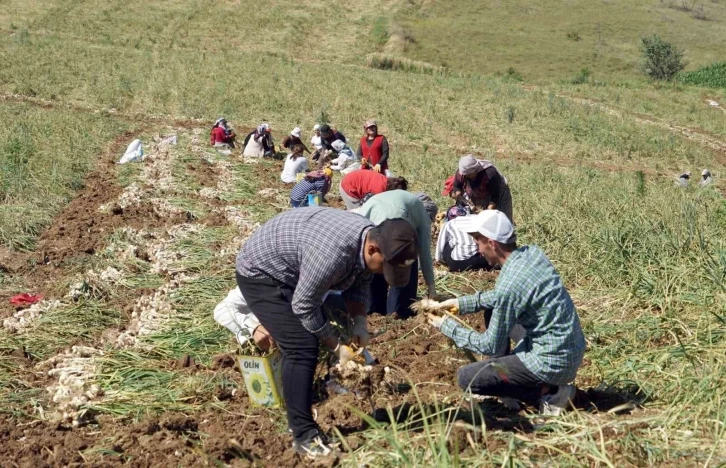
<point>390,62</point>
<point>661,59</point>
<point>582,77</point>
<point>574,36</point>
<point>513,75</point>
<point>712,76</point>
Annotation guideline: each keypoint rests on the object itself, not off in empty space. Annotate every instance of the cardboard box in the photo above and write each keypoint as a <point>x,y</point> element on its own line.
<point>263,379</point>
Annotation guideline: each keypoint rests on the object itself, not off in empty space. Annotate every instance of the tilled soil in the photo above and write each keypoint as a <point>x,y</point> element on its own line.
<point>242,434</point>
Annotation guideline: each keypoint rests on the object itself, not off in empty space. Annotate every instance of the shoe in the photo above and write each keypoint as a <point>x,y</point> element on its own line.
<point>315,446</point>
<point>554,404</point>
<point>512,404</point>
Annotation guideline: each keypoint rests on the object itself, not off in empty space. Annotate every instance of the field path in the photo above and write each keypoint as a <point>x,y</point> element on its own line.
<point>698,135</point>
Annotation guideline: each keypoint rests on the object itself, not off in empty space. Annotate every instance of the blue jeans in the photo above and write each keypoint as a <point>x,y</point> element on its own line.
<point>399,300</point>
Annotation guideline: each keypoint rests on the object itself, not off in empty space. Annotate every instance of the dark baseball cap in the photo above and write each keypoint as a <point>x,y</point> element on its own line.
<point>325,130</point>
<point>400,249</point>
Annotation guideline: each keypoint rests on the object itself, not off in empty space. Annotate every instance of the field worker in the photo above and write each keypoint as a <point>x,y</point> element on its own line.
<point>234,315</point>
<point>314,182</point>
<point>358,186</point>
<point>221,134</point>
<point>401,204</point>
<point>285,269</point>
<point>295,163</point>
<point>530,293</point>
<point>294,138</point>
<point>458,250</point>
<point>259,143</point>
<point>328,136</point>
<point>479,182</point>
<point>374,147</point>
<point>316,140</point>
<point>706,178</point>
<point>346,160</point>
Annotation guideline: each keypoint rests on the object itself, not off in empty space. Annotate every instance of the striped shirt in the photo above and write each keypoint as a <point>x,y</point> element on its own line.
<point>301,190</point>
<point>462,244</point>
<point>313,250</point>
<point>528,292</point>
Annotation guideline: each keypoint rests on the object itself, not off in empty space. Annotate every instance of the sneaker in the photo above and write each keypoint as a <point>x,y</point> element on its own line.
<point>554,404</point>
<point>315,446</point>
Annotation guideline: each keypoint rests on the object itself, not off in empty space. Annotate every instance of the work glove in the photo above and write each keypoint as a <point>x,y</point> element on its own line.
<point>435,321</point>
<point>377,168</point>
<point>344,354</point>
<point>360,331</point>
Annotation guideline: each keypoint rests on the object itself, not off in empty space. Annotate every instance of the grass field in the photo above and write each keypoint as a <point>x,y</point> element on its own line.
<point>591,168</point>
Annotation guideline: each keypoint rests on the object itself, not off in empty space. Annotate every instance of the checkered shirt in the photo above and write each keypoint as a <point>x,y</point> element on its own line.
<point>313,250</point>
<point>528,291</point>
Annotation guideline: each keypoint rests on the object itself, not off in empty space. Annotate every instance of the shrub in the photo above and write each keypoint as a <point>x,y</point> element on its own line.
<point>513,75</point>
<point>390,62</point>
<point>582,77</point>
<point>661,59</point>
<point>574,36</point>
<point>379,32</point>
<point>712,76</point>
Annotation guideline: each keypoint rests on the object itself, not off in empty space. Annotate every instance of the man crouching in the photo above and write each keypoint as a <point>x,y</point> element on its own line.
<point>528,295</point>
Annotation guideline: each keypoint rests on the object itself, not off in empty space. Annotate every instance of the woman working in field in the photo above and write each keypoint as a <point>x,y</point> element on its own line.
<point>481,184</point>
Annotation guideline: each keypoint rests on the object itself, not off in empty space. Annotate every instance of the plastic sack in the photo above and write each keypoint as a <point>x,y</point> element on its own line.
<point>134,152</point>
<point>234,315</point>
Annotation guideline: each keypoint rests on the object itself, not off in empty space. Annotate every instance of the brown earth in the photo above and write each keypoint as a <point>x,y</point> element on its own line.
<point>242,435</point>
<point>422,367</point>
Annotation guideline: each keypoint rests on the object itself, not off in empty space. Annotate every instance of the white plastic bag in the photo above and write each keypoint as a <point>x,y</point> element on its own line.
<point>134,152</point>
<point>234,315</point>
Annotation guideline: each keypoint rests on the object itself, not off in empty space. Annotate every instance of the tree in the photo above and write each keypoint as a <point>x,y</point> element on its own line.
<point>661,59</point>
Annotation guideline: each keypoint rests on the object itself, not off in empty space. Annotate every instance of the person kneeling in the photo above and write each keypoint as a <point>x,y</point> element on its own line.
<point>314,182</point>
<point>528,293</point>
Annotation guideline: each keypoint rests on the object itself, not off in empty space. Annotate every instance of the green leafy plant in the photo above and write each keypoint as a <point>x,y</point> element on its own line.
<point>661,60</point>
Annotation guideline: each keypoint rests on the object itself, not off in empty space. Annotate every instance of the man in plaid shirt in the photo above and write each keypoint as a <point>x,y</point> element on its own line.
<point>285,270</point>
<point>528,295</point>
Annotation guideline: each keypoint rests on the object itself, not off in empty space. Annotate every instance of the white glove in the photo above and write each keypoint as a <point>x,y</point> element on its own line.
<point>360,331</point>
<point>435,321</point>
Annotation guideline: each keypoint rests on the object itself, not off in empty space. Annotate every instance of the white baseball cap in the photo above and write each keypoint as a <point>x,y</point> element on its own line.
<point>296,132</point>
<point>492,224</point>
<point>316,127</point>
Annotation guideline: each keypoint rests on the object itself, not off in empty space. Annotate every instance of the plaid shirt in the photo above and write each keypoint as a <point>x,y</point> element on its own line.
<point>528,291</point>
<point>313,250</point>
